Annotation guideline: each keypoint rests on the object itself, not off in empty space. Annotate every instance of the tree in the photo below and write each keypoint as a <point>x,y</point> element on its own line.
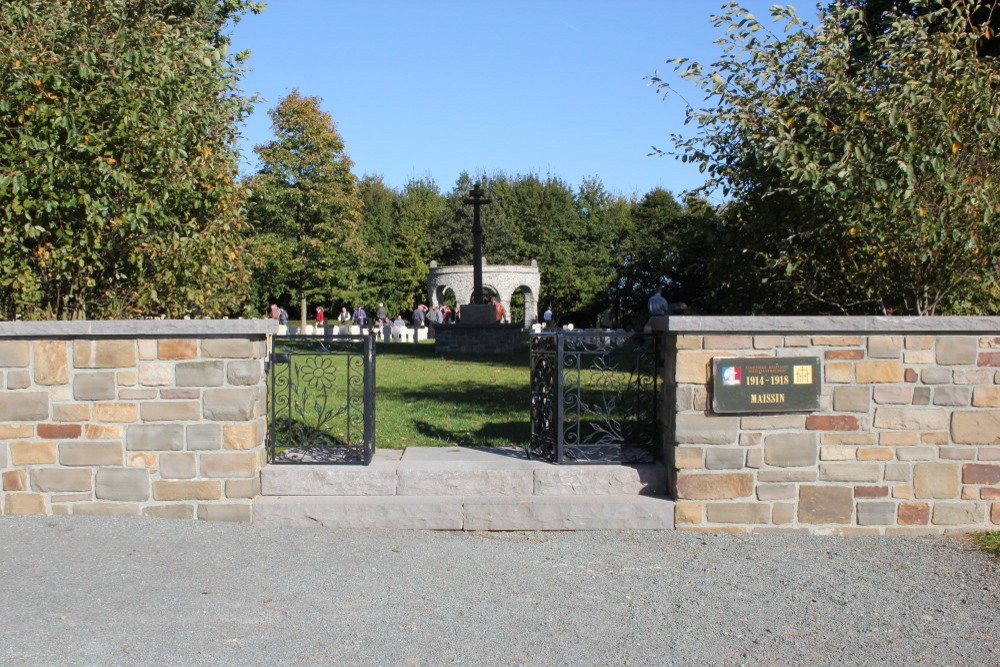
<point>858,185</point>
<point>305,206</point>
<point>117,158</point>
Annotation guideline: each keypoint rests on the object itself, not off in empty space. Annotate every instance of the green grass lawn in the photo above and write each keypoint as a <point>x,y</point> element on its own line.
<point>427,399</point>
<point>988,541</point>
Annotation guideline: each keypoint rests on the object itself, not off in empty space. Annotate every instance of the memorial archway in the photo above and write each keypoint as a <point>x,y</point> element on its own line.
<point>504,280</point>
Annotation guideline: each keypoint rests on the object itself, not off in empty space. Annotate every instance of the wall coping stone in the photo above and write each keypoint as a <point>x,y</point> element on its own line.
<point>134,328</point>
<point>819,324</point>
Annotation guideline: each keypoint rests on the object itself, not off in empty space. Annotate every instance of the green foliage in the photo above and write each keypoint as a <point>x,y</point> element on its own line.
<point>989,541</point>
<point>117,159</point>
<point>859,184</point>
<point>305,207</point>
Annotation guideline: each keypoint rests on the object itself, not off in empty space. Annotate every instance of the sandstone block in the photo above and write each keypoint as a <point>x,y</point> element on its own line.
<point>685,342</point>
<point>693,367</point>
<point>241,436</point>
<point>231,404</point>
<point>706,429</point>
<point>689,457</point>
<point>772,422</point>
<point>147,349</point>
<point>177,348</point>
<point>174,394</point>
<point>876,513</point>
<point>243,488</point>
<point>921,396</point>
<point>937,438</point>
<point>14,354</point>
<point>897,472</point>
<point>755,458</point>
<point>727,342</point>
<point>28,452</point>
<point>783,513</point>
<point>91,453</point>
<point>61,480</point>
<point>995,513</point>
<point>870,372</point>
<point>978,376</point>
<point>156,375</point>
<point>935,376</point>
<point>871,492</point>
<point>911,419</point>
<point>916,454</point>
<point>229,464</point>
<point>847,438</point>
<point>838,453</point>
<point>851,399</point>
<point>127,394</point>
<point>902,492</point>
<point>898,438</point>
<point>105,431</point>
<point>913,514</point>
<point>123,484</point>
<point>832,423</point>
<point>738,512</point>
<point>104,353</point>
<point>120,413</point>
<point>717,458</point>
<point>885,347</point>
<point>790,450</point>
<point>976,427</point>
<point>875,454</point>
<point>935,480</point>
<point>893,394</point>
<point>797,341</point>
<point>142,460</point>
<point>958,513</point>
<point>852,355</point>
<point>11,431</point>
<point>204,436</point>
<point>248,372</point>
<point>838,341</point>
<point>918,356</point>
<point>178,465</point>
<point>787,476</point>
<point>196,490</point>
<point>750,439</point>
<point>952,395</point>
<point>226,512</point>
<point>988,359</point>
<point>687,512</point>
<point>17,379</point>
<point>825,504</point>
<point>989,453</point>
<point>154,437</point>
<point>228,348</point>
<point>71,412</point>
<point>919,342</point>
<point>172,511</point>
<point>106,509</point>
<point>986,397</point>
<point>910,375</point>
<point>15,480</point>
<point>24,405</point>
<point>767,342</point>
<point>60,431</point>
<point>990,493</point>
<point>165,411</point>
<point>24,504</point>
<point>838,372</point>
<point>850,472</point>
<point>706,486</point>
<point>980,473</point>
<point>200,374</point>
<point>127,377</point>
<point>51,362</point>
<point>94,386</point>
<point>766,492</point>
<point>956,350</point>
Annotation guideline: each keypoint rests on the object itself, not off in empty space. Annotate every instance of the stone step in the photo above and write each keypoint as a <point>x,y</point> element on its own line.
<point>462,478</point>
<point>582,512</point>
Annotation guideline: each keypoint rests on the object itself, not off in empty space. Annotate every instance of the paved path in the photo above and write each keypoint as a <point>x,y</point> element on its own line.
<point>134,591</point>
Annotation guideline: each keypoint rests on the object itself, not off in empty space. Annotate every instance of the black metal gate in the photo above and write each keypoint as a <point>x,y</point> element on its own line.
<point>594,397</point>
<point>322,399</point>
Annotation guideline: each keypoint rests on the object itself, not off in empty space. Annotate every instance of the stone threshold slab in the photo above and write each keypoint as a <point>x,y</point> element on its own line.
<point>469,513</point>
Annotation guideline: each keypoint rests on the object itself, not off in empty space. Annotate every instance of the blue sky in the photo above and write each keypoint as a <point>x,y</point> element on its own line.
<point>428,88</point>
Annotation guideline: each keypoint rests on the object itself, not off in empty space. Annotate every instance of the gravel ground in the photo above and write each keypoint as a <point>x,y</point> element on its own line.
<point>134,591</point>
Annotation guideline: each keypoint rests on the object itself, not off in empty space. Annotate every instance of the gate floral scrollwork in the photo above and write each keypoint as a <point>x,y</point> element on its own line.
<point>594,397</point>
<point>322,400</point>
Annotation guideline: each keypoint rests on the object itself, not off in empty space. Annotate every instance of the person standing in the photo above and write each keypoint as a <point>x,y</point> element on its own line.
<point>275,312</point>
<point>320,317</point>
<point>657,305</point>
<point>607,320</point>
<point>344,317</point>
<point>381,314</point>
<point>359,316</point>
<point>547,319</point>
<point>418,317</point>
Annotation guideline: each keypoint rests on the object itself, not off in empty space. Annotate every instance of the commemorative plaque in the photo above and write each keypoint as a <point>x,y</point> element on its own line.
<point>765,384</point>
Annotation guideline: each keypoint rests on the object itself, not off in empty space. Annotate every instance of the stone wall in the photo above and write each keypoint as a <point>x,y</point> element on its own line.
<point>906,440</point>
<point>471,339</point>
<point>154,418</point>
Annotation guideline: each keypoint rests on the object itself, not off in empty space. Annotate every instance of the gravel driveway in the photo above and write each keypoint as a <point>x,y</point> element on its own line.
<point>145,591</point>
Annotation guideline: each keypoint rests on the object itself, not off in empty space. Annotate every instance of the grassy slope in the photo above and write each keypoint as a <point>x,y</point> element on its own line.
<point>427,399</point>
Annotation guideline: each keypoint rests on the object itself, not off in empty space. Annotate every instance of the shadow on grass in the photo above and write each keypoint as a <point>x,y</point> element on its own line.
<point>490,434</point>
<point>485,397</point>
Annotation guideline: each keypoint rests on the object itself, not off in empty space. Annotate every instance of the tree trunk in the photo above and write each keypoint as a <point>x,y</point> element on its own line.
<point>302,304</point>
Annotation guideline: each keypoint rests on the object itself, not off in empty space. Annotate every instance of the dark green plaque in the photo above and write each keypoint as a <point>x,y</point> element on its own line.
<point>765,384</point>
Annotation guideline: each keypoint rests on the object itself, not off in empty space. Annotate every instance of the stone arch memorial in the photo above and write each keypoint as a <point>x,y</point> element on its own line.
<point>505,280</point>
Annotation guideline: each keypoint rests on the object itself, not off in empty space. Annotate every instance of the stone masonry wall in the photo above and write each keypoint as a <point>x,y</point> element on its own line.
<point>154,418</point>
<point>906,440</point>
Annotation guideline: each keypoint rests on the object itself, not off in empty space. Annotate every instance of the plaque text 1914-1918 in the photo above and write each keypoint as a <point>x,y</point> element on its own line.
<point>765,384</point>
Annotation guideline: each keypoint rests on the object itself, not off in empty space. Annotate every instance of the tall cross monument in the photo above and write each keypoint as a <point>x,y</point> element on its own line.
<point>477,200</point>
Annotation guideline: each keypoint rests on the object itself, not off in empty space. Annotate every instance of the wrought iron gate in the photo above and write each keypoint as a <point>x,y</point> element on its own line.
<point>322,399</point>
<point>594,397</point>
